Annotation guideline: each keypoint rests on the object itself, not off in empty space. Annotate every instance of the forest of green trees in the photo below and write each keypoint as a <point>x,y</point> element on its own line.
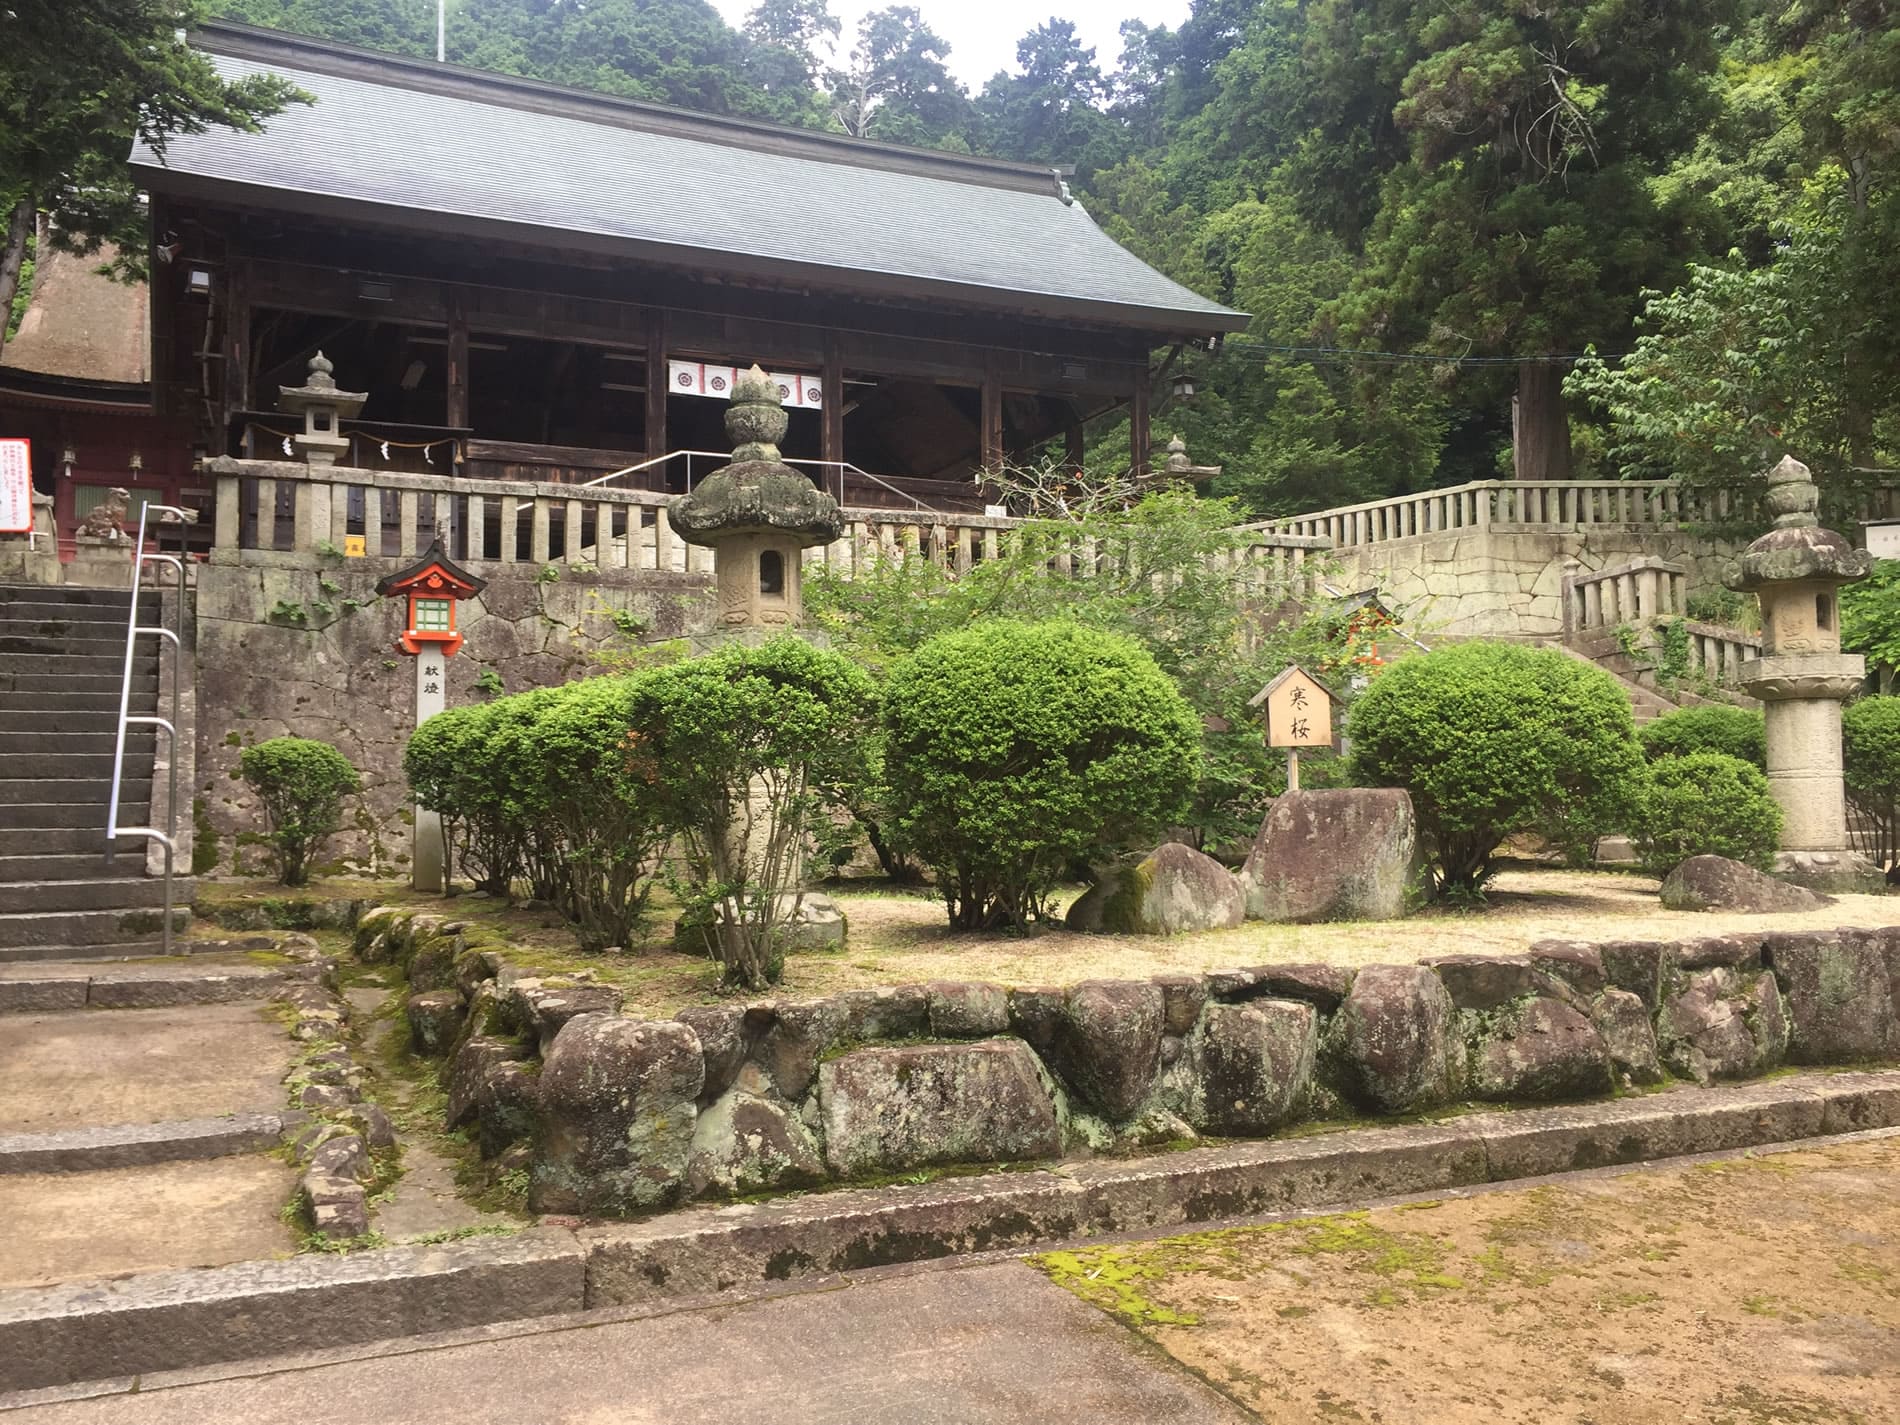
<point>1434,209</point>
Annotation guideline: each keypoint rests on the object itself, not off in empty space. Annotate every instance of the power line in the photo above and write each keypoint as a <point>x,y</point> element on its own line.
<point>1339,355</point>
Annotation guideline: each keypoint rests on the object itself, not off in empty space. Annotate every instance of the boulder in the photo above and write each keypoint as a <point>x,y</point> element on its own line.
<point>1576,963</point>
<point>1538,1049</point>
<point>468,1069</point>
<point>1333,855</point>
<point>897,1109</point>
<point>1717,883</point>
<point>343,1157</point>
<point>887,1012</point>
<point>1708,951</point>
<point>1392,1039</point>
<point>435,1020</point>
<point>1628,1035</point>
<point>961,1010</point>
<point>1322,986</point>
<point>1722,1025</point>
<point>1173,891</point>
<point>722,1042</point>
<point>372,1122</point>
<point>788,1051</point>
<point>1108,1043</point>
<point>1255,1064</point>
<point>338,1206</point>
<point>743,1144</point>
<point>1485,982</point>
<point>1643,967</point>
<point>1181,999</point>
<point>618,1105</point>
<point>1035,1015</point>
<point>1840,995</point>
<point>506,1106</point>
<point>539,1007</point>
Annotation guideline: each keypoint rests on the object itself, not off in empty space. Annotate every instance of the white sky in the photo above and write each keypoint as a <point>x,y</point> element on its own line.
<point>982,33</point>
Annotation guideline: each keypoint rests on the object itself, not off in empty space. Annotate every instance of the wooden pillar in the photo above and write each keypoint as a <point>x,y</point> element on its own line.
<point>457,374</point>
<point>656,386</point>
<point>992,442</point>
<point>1074,444</point>
<point>1138,436</point>
<point>235,353</point>
<point>834,402</point>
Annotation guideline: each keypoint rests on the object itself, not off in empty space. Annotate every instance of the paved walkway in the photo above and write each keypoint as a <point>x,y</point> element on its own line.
<point>982,1345</point>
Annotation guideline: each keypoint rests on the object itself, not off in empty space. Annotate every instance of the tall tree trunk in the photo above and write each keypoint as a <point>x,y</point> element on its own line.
<point>1540,423</point>
<point>19,229</point>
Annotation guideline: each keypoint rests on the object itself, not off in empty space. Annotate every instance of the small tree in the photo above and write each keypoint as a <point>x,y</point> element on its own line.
<point>1493,739</point>
<point>1016,751</point>
<point>1870,746</point>
<point>302,785</point>
<point>1736,732</point>
<point>734,749</point>
<point>1704,804</point>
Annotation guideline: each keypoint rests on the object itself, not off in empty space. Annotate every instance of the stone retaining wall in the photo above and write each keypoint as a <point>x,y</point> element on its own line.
<point>615,1115</point>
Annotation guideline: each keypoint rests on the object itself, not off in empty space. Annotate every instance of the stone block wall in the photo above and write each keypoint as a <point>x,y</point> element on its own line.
<point>289,645</point>
<point>1490,583</point>
<point>614,1115</point>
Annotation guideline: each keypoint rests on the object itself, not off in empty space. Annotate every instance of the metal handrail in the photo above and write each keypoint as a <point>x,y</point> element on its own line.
<point>725,457</point>
<point>133,628</point>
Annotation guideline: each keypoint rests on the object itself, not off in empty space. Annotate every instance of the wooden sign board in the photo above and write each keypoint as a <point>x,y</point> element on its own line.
<point>16,487</point>
<point>1299,710</point>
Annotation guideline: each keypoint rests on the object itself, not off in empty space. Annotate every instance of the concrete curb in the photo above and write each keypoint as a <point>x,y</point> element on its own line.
<point>134,1145</point>
<point>126,990</point>
<point>177,1320</point>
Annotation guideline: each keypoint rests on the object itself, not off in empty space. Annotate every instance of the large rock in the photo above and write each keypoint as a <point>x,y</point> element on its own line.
<point>1717,883</point>
<point>617,1113</point>
<point>722,1042</point>
<point>1485,982</point>
<point>1840,996</point>
<point>1107,1043</point>
<point>743,1143</point>
<point>508,1105</point>
<point>1255,1064</point>
<point>1538,1049</point>
<point>800,1032</point>
<point>540,1007</point>
<point>468,1069</point>
<point>1631,1039</point>
<point>1333,855</point>
<point>1174,890</point>
<point>1392,1039</point>
<point>435,1020</point>
<point>967,1010</point>
<point>893,1110</point>
<point>1723,1024</point>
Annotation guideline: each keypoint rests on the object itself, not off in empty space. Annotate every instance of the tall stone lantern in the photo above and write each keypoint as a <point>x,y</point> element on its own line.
<point>757,515</point>
<point>1802,677</point>
<point>324,408</point>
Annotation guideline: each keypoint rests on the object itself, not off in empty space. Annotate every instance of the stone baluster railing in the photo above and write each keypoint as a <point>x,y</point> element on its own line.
<point>1636,592</point>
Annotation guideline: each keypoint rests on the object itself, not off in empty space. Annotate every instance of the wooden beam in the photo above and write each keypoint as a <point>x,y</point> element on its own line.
<point>657,384</point>
<point>1139,439</point>
<point>457,365</point>
<point>991,446</point>
<point>833,383</point>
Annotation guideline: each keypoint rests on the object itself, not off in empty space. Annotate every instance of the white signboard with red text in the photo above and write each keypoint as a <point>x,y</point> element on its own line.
<point>16,487</point>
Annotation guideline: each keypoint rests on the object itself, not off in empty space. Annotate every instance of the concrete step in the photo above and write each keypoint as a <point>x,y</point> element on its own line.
<point>46,791</point>
<point>137,1145</point>
<point>90,765</point>
<point>102,721</point>
<point>17,635</point>
<point>120,892</point>
<point>54,986</point>
<point>70,596</point>
<point>35,819</point>
<point>44,655</point>
<point>87,865</point>
<point>135,951</point>
<point>52,676</point>
<point>21,710</point>
<point>65,744</point>
<point>81,839</point>
<point>24,933</point>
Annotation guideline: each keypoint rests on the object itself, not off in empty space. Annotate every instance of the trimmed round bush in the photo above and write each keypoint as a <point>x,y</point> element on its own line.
<point>1493,739</point>
<point>1870,749</point>
<point>1015,751</point>
<point>301,784</point>
<point>1705,804</point>
<point>1736,732</point>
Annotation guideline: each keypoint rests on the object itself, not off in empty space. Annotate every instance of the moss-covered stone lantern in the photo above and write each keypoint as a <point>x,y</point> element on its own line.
<point>1802,677</point>
<point>324,408</point>
<point>757,515</point>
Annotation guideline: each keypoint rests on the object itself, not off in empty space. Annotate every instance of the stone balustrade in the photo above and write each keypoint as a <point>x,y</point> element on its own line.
<point>290,508</point>
<point>1647,591</point>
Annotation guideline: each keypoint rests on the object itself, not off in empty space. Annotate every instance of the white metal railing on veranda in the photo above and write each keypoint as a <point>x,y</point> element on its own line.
<point>167,838</point>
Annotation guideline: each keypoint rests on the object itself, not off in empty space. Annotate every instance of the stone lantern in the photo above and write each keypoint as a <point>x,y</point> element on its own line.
<point>757,515</point>
<point>324,408</point>
<point>1802,677</point>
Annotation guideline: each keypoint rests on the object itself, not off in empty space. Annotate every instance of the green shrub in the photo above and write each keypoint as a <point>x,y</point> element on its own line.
<point>1737,732</point>
<point>302,785</point>
<point>450,771</point>
<point>741,752</point>
<point>1018,750</point>
<point>1493,739</point>
<point>1870,747</point>
<point>1704,804</point>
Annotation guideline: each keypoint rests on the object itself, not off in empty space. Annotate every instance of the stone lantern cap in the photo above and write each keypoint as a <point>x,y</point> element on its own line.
<point>1797,549</point>
<point>319,392</point>
<point>758,493</point>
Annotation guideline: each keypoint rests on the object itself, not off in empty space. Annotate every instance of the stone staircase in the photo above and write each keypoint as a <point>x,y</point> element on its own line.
<point>61,664</point>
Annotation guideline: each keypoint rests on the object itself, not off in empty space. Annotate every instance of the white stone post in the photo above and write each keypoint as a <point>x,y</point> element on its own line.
<point>428,855</point>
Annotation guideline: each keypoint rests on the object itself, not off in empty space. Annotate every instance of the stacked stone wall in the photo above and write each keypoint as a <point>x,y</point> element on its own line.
<point>307,648</point>
<point>615,1115</point>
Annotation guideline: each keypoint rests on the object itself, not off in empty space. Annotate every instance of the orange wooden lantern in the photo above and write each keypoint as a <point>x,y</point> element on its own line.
<point>434,586</point>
